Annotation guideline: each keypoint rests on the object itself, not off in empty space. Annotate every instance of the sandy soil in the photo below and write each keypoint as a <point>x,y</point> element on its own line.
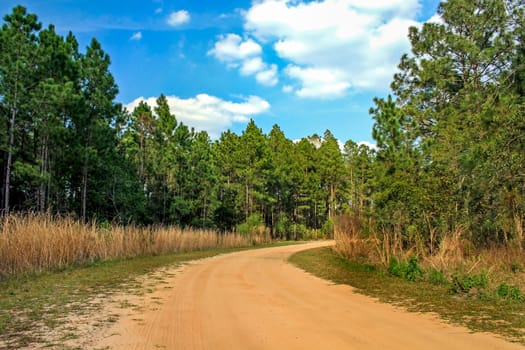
<point>256,300</point>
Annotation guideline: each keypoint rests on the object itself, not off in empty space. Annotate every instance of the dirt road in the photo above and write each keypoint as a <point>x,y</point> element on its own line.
<point>256,300</point>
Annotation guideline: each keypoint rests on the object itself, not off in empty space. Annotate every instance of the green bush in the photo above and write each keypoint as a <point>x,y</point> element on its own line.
<point>328,228</point>
<point>397,268</point>
<point>283,227</point>
<point>408,270</point>
<point>436,277</point>
<point>251,225</point>
<point>312,234</point>
<point>301,231</point>
<point>414,271</point>
<point>304,233</point>
<point>464,283</point>
<point>510,292</point>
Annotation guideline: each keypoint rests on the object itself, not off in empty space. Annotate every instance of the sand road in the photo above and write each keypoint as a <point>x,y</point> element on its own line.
<point>256,300</point>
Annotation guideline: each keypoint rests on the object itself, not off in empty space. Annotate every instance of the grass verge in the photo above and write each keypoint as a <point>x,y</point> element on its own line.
<point>31,306</point>
<point>503,317</point>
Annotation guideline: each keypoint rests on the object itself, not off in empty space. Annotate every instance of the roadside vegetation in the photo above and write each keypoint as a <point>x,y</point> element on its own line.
<point>55,268</point>
<point>479,301</point>
<point>437,212</point>
<point>467,270</point>
<point>40,243</point>
<point>436,216</point>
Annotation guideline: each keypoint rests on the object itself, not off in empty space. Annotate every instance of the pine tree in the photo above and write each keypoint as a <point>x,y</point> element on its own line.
<point>18,42</point>
<point>332,172</point>
<point>96,112</point>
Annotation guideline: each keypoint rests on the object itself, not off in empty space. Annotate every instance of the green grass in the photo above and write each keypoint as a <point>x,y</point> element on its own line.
<point>31,306</point>
<point>503,317</point>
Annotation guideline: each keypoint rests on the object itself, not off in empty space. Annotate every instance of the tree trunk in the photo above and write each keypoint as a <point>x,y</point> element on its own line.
<point>164,199</point>
<point>315,215</point>
<point>44,156</point>
<point>294,222</point>
<point>205,211</point>
<point>85,170</point>
<point>141,160</point>
<point>7,179</point>
<point>272,228</point>
<point>84,190</point>
<point>246,210</point>
<point>332,200</point>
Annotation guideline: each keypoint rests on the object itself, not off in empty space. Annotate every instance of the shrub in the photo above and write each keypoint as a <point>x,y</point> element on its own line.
<point>252,225</point>
<point>408,270</point>
<point>283,227</point>
<point>301,231</point>
<point>436,277</point>
<point>464,283</point>
<point>304,233</point>
<point>328,228</point>
<point>397,268</point>
<point>414,271</point>
<point>510,292</point>
<point>312,234</point>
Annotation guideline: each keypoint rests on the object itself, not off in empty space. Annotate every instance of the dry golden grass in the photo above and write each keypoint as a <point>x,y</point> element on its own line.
<point>349,241</point>
<point>34,243</point>
<point>454,251</point>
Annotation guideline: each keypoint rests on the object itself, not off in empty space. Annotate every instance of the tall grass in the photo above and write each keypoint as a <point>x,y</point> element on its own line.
<point>454,251</point>
<point>350,241</point>
<point>34,243</point>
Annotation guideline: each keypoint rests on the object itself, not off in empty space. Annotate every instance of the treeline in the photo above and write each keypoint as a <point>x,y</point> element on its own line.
<point>66,147</point>
<point>450,151</point>
<point>239,182</point>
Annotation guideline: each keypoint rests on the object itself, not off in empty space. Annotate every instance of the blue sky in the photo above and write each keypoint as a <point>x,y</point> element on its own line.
<point>307,66</point>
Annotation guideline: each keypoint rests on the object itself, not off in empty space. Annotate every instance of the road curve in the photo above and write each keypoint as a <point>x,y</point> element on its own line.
<point>256,300</point>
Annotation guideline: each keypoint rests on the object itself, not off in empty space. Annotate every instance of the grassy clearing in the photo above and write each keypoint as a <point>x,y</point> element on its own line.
<point>479,313</point>
<point>33,305</point>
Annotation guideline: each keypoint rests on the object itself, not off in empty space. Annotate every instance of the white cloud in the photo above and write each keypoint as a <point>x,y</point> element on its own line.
<point>178,18</point>
<point>341,145</point>
<point>318,82</point>
<point>252,66</point>
<point>136,36</point>
<point>209,113</point>
<point>287,89</point>
<point>246,54</point>
<point>335,45</point>
<point>231,48</point>
<point>268,77</point>
<point>370,145</point>
<point>159,10</point>
<point>436,19</point>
